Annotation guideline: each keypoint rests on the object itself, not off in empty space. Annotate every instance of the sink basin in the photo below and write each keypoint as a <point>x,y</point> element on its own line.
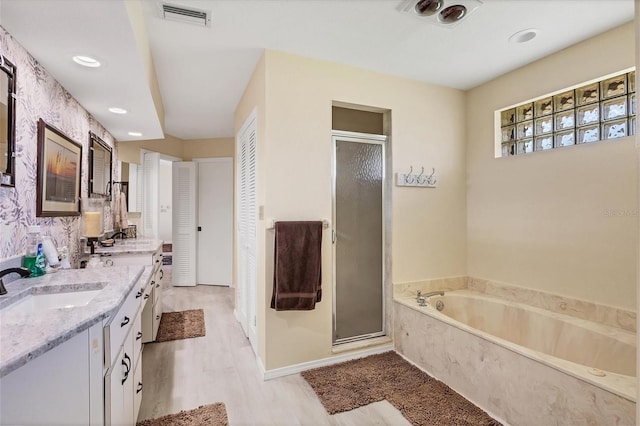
<point>41,301</point>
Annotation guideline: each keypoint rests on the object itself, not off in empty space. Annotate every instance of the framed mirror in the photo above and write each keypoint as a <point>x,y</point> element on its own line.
<point>99,167</point>
<point>7,122</point>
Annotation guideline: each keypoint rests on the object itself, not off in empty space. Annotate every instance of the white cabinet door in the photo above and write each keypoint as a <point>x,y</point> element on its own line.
<point>114,392</point>
<point>119,388</point>
<point>54,388</point>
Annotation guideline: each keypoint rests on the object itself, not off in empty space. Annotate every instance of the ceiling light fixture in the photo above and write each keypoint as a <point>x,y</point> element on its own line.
<point>86,61</point>
<point>117,110</point>
<point>428,7</point>
<point>523,36</point>
<point>452,14</point>
<point>135,134</point>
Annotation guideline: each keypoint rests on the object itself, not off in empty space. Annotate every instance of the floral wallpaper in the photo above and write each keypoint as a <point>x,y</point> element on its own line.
<point>39,95</point>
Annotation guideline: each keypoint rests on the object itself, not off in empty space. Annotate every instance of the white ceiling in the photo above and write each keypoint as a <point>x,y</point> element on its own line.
<point>202,72</point>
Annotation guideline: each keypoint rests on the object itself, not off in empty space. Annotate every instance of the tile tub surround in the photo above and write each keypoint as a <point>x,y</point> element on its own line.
<point>410,289</point>
<point>25,337</point>
<point>508,381</point>
<point>603,314</point>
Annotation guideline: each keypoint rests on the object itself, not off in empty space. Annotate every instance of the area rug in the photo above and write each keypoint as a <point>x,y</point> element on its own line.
<point>421,399</point>
<point>211,415</point>
<point>181,325</point>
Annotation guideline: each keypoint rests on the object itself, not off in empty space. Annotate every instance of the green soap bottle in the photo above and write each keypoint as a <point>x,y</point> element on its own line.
<point>34,259</point>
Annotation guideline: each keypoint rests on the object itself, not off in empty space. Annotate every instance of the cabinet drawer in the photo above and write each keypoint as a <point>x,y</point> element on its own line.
<point>147,321</point>
<point>157,258</point>
<point>136,335</point>
<point>157,285</point>
<point>157,314</point>
<point>119,326</point>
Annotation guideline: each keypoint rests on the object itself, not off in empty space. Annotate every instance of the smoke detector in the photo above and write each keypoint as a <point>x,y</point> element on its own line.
<point>188,15</point>
<point>444,13</point>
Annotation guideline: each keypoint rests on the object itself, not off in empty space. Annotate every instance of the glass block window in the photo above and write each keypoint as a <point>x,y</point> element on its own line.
<point>596,111</point>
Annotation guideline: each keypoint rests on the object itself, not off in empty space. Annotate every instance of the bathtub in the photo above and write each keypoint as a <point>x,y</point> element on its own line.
<point>522,364</point>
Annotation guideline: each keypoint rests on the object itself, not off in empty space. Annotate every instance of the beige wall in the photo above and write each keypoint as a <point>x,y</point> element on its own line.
<point>129,151</point>
<point>429,225</point>
<point>565,220</point>
<point>187,150</point>
<point>254,99</point>
<point>208,148</point>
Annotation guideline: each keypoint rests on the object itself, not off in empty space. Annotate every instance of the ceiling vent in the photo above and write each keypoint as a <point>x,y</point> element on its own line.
<point>170,12</point>
<point>443,13</point>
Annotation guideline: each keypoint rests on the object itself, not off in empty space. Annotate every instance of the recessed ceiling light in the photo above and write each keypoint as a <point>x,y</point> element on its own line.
<point>135,134</point>
<point>117,110</point>
<point>452,14</point>
<point>428,7</point>
<point>523,36</point>
<point>86,61</point>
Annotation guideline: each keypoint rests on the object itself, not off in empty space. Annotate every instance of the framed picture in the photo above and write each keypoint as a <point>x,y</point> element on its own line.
<point>59,171</point>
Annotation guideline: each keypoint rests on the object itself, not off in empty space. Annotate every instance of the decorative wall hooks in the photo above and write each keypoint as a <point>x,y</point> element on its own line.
<point>421,180</point>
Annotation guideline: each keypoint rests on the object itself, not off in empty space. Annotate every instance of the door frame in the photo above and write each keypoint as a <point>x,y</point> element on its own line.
<point>368,138</point>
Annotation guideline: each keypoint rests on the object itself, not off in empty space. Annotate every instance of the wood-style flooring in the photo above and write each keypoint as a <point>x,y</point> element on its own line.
<point>221,367</point>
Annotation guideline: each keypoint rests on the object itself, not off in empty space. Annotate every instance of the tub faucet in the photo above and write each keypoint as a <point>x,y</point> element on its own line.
<point>23,272</point>
<point>422,298</point>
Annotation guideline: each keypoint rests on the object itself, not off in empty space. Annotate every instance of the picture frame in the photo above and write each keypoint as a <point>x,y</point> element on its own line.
<point>59,172</point>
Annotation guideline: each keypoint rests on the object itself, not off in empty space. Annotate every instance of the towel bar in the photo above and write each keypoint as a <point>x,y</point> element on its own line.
<point>271,224</point>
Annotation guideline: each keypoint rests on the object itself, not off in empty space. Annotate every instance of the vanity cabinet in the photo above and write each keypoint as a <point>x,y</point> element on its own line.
<point>122,355</point>
<point>152,293</point>
<point>62,386</point>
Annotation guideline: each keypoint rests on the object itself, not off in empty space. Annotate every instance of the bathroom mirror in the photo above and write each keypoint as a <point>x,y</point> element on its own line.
<point>7,122</point>
<point>99,167</point>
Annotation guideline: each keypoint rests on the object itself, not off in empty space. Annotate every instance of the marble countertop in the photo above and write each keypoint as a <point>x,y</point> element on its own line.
<point>130,246</point>
<point>25,336</point>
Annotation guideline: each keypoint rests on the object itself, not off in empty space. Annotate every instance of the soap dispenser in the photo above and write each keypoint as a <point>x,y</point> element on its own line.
<point>34,259</point>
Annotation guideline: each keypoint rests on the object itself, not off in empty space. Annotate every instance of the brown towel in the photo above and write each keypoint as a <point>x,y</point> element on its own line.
<point>296,272</point>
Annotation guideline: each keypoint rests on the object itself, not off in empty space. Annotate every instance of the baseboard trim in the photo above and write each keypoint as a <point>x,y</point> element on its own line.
<point>297,368</point>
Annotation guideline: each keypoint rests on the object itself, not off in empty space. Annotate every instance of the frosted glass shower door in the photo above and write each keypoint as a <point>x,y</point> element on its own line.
<point>358,204</point>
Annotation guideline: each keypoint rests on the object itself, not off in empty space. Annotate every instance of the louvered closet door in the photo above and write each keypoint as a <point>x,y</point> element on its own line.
<point>252,243</point>
<point>184,223</point>
<point>247,223</point>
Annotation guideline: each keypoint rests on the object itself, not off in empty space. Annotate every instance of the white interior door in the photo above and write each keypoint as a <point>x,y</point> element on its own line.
<point>215,221</point>
<point>247,222</point>
<point>185,187</point>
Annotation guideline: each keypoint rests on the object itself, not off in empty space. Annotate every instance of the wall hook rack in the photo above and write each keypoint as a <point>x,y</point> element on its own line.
<point>420,180</point>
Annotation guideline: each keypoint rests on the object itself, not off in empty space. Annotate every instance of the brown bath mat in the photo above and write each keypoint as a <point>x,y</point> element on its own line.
<point>210,415</point>
<point>420,398</point>
<point>181,325</point>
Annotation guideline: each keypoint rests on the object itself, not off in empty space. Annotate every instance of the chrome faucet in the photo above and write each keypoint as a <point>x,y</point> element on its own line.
<point>122,234</point>
<point>23,272</point>
<point>422,298</point>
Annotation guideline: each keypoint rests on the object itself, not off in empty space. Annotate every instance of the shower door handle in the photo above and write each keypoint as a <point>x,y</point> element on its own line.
<point>333,236</point>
